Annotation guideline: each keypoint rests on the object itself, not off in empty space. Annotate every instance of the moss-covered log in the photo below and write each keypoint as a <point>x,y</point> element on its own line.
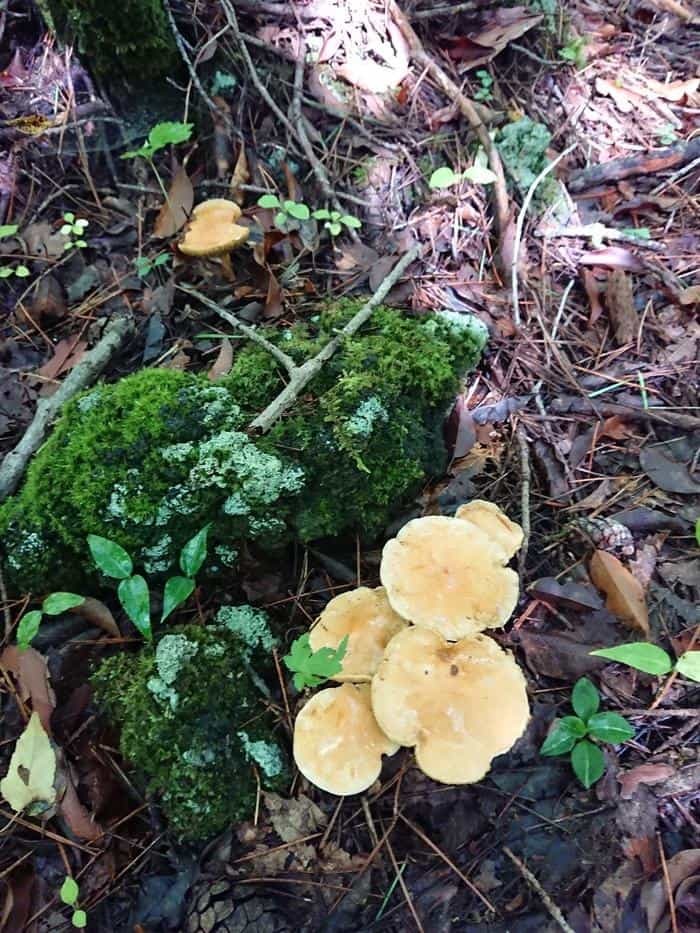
<point>131,38</point>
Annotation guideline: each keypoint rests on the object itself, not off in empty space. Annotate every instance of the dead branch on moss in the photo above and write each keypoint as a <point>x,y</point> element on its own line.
<point>301,376</point>
<point>84,374</point>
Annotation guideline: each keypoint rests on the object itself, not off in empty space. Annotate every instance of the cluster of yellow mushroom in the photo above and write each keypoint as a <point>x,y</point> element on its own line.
<point>418,671</point>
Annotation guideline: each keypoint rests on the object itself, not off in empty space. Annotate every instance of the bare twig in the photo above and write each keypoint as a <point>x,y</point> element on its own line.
<point>667,884</point>
<point>250,332</point>
<point>88,369</point>
<point>520,223</point>
<point>300,376</point>
<point>525,475</point>
<point>552,908</point>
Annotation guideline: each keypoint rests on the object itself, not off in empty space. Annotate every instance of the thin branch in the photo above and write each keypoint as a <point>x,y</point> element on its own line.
<point>520,223</point>
<point>84,374</point>
<point>250,332</point>
<point>552,908</point>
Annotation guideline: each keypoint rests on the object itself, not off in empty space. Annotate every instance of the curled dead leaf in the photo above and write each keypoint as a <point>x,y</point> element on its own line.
<point>30,670</point>
<point>624,594</point>
<point>175,213</point>
<point>95,612</point>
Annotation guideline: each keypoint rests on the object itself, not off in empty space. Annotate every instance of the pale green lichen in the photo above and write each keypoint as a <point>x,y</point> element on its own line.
<point>172,653</point>
<point>251,626</point>
<point>265,754</point>
<point>366,416</point>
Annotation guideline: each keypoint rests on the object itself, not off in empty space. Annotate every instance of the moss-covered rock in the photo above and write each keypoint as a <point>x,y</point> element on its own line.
<point>193,724</point>
<point>130,38</point>
<point>150,460</point>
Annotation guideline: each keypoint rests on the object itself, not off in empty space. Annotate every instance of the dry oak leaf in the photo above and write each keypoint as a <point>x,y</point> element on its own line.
<point>624,594</point>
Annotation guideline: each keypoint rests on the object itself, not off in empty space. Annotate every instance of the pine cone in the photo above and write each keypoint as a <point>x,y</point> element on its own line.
<point>607,534</point>
<point>222,906</point>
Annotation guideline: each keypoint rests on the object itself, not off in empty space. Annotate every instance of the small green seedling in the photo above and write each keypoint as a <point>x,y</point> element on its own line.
<point>144,265</point>
<point>445,177</point>
<point>133,591</point>
<point>161,135</point>
<point>74,228</point>
<point>311,668</point>
<point>485,90</point>
<point>650,659</point>
<point>69,894</point>
<point>697,531</point>
<point>575,52</point>
<point>335,221</point>
<point>21,271</point>
<point>666,134</point>
<point>53,605</point>
<point>577,735</point>
<point>291,213</point>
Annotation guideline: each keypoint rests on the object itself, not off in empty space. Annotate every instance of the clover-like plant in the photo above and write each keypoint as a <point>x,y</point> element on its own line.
<point>144,265</point>
<point>485,90</point>
<point>312,668</point>
<point>335,221</point>
<point>577,736</point>
<point>133,591</point>
<point>74,228</point>
<point>291,213</point>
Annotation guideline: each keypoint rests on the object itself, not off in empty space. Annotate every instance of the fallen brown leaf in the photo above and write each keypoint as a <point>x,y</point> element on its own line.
<point>240,176</point>
<point>624,594</point>
<point>642,774</point>
<point>223,362</point>
<point>66,354</point>
<point>95,612</point>
<point>175,213</point>
<point>77,817</point>
<point>30,670</point>
<point>612,257</point>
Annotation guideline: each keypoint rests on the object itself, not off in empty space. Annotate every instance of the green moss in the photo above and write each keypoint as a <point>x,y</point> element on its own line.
<point>132,37</point>
<point>523,148</point>
<point>370,427</point>
<point>147,462</point>
<point>150,460</point>
<point>192,724</point>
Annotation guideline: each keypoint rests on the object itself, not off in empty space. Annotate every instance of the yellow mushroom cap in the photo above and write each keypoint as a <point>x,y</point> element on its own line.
<point>447,574</point>
<point>460,703</point>
<point>507,534</point>
<point>338,745</point>
<point>366,617</point>
<point>212,229</point>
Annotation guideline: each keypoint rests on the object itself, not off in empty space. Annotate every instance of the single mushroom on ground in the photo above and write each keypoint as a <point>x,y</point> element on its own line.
<point>338,745</point>
<point>366,617</point>
<point>502,531</point>
<point>448,574</point>
<point>212,231</point>
<point>461,704</point>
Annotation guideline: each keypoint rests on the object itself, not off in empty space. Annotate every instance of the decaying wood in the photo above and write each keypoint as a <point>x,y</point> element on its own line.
<point>645,163</point>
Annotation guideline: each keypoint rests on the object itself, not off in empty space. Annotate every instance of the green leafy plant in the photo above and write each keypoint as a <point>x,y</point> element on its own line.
<point>697,531</point>
<point>160,136</point>
<point>335,221</point>
<point>577,735</point>
<point>53,605</point>
<point>311,668</point>
<point>575,52</point>
<point>21,271</point>
<point>69,894</point>
<point>445,176</point>
<point>485,90</point>
<point>291,213</point>
<point>74,228</point>
<point>650,659</point>
<point>145,266</point>
<point>133,591</point>
<point>666,134</point>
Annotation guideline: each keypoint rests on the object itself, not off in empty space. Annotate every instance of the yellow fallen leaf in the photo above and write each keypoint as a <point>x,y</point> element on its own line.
<point>30,777</point>
<point>624,594</point>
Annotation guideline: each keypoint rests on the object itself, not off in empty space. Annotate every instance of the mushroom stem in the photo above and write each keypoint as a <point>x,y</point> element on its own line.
<point>227,268</point>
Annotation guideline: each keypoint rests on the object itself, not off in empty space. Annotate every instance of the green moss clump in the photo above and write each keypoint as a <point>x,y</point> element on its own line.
<point>150,460</point>
<point>147,461</point>
<point>369,428</point>
<point>193,725</point>
<point>523,147</point>
<point>130,38</point>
